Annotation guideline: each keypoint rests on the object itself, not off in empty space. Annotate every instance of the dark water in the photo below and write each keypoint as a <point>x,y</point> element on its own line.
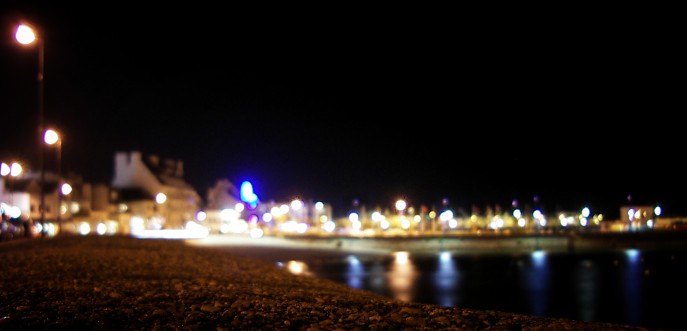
<point>640,288</point>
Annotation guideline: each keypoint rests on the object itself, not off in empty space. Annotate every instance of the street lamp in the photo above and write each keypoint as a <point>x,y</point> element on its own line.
<point>26,35</point>
<point>401,206</point>
<point>11,170</point>
<point>51,137</point>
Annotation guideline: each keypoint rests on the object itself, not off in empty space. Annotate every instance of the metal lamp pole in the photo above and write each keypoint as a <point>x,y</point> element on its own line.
<point>51,137</point>
<point>26,35</point>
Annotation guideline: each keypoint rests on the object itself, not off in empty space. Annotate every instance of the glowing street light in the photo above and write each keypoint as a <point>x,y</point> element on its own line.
<point>51,137</point>
<point>27,35</point>
<point>657,212</point>
<point>401,206</point>
<point>11,170</point>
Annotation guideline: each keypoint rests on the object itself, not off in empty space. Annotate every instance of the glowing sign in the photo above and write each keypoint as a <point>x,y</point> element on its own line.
<point>247,194</point>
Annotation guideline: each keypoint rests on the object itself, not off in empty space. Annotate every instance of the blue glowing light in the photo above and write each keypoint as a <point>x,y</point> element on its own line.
<point>247,194</point>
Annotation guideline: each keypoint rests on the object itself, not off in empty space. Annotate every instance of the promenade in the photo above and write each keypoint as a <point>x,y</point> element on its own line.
<point>468,243</point>
<point>125,283</point>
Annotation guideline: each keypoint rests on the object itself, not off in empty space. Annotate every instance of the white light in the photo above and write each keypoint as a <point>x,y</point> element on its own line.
<point>50,137</point>
<point>101,229</point>
<point>13,170</point>
<point>296,204</point>
<point>237,226</point>
<point>384,224</point>
<point>405,223</point>
<point>537,214</point>
<point>401,256</point>
<point>276,211</point>
<point>228,215</point>
<point>446,215</point>
<point>25,35</point>
<point>201,216</point>
<point>84,228</point>
<point>400,205</point>
<point>256,233</point>
<point>288,226</point>
<point>517,213</point>
<point>302,228</point>
<point>585,212</point>
<point>453,223</point>
<point>14,211</point>
<point>297,267</point>
<point>66,189</point>
<point>329,226</point>
<point>160,198</point>
<point>137,224</point>
<point>224,228</point>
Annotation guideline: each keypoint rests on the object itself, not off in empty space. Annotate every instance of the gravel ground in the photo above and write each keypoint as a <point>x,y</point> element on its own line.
<point>124,283</point>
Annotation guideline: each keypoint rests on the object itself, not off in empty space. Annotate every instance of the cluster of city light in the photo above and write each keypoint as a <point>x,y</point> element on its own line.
<point>12,171</point>
<point>635,215</point>
<point>292,220</point>
<point>15,169</point>
<point>288,217</point>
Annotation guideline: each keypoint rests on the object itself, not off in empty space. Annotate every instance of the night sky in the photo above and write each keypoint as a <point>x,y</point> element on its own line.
<point>338,104</point>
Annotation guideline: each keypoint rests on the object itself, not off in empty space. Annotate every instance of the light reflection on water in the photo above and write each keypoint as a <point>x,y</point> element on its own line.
<point>615,287</point>
<point>401,277</point>
<point>446,280</point>
<point>633,285</point>
<point>296,267</point>
<point>586,278</point>
<point>537,277</point>
<point>355,272</point>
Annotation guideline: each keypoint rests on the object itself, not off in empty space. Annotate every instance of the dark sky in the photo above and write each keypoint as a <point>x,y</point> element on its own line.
<point>478,106</point>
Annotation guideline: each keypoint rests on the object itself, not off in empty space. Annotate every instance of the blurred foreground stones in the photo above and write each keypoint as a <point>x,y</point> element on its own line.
<point>124,283</point>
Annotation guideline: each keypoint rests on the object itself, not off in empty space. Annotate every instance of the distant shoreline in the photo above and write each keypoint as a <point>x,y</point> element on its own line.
<point>468,244</point>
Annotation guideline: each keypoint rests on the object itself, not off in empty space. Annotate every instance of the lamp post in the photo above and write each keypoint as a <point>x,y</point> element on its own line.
<point>51,137</point>
<point>11,170</point>
<point>26,35</point>
<point>401,206</point>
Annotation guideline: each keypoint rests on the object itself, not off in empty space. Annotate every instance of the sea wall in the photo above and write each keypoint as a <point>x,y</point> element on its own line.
<point>502,243</point>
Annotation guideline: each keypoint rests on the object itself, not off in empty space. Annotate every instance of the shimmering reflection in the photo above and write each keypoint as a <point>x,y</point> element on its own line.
<point>586,278</point>
<point>401,277</point>
<point>628,287</point>
<point>355,272</point>
<point>446,280</point>
<point>296,267</point>
<point>377,275</point>
<point>538,277</point>
<point>633,285</point>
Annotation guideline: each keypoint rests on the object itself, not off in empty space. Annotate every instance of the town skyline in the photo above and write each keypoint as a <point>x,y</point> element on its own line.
<point>324,111</point>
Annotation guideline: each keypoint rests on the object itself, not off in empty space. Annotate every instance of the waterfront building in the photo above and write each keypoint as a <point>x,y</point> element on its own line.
<point>152,193</point>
